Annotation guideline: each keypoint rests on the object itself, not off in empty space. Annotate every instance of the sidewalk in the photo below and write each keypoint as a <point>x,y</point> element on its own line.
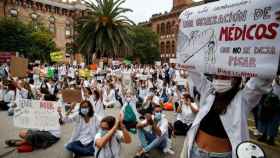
<point>57,151</point>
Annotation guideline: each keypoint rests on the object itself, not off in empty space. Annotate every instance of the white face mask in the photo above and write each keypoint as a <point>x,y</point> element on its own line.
<point>222,86</point>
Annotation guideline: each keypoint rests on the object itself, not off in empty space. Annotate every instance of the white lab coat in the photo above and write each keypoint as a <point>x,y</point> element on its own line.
<point>77,119</point>
<point>235,120</point>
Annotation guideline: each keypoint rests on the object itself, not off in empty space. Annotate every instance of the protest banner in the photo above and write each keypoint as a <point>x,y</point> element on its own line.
<point>231,38</point>
<point>36,114</point>
<point>172,60</point>
<point>158,63</point>
<point>57,56</point>
<point>72,95</point>
<point>19,67</point>
<point>6,57</point>
<point>85,73</point>
<point>116,62</point>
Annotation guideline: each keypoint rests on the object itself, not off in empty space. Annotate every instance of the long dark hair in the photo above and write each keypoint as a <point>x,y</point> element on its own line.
<point>91,112</point>
<point>223,100</point>
<point>96,93</point>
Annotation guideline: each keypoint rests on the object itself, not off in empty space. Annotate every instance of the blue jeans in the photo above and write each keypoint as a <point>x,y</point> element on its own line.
<point>150,141</point>
<point>196,152</point>
<point>79,149</point>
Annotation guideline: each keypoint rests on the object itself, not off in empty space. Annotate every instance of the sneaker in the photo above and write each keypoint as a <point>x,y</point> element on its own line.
<point>256,133</point>
<point>168,151</point>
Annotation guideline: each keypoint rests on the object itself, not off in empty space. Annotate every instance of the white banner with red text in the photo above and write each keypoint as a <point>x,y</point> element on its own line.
<point>231,38</point>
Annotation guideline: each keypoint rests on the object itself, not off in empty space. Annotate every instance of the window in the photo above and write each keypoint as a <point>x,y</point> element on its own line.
<point>173,29</point>
<point>52,27</point>
<point>68,32</point>
<point>168,47</point>
<point>48,8</point>
<point>34,18</point>
<point>162,48</point>
<point>158,28</point>
<point>173,47</point>
<point>162,29</point>
<point>168,28</point>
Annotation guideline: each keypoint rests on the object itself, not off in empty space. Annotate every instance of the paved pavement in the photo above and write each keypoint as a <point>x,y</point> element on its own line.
<point>8,131</point>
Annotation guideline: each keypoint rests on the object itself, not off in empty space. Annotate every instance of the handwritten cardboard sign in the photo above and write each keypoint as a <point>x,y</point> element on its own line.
<point>72,95</point>
<point>231,38</point>
<point>19,67</point>
<point>36,114</point>
<point>57,56</point>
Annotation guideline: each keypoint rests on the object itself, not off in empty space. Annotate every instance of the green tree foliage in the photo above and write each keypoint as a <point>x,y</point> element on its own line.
<point>15,36</point>
<point>104,29</point>
<point>145,44</point>
<point>42,45</point>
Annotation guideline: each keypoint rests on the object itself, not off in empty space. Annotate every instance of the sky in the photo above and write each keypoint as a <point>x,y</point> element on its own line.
<point>144,9</point>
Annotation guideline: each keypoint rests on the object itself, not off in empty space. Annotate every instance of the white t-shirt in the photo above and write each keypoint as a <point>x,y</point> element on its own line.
<point>113,148</point>
<point>187,116</point>
<point>162,124</point>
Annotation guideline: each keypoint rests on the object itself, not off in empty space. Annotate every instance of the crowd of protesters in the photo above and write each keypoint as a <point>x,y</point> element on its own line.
<point>142,93</point>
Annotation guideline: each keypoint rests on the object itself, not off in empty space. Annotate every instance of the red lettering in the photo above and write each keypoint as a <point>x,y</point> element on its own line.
<point>253,32</point>
<point>224,34</point>
<point>248,33</point>
<point>272,29</point>
<point>260,32</point>
<point>231,34</point>
<point>238,33</point>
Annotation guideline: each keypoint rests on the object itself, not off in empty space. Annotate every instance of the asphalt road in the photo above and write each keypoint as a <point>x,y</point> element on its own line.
<point>8,131</point>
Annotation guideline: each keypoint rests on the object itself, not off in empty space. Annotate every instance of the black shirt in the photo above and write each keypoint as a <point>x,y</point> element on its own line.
<point>212,124</point>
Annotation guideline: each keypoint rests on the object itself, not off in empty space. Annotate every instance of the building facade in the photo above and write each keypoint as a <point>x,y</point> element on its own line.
<point>166,24</point>
<point>56,15</point>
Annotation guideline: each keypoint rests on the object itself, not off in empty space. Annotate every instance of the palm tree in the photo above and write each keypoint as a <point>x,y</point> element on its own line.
<point>104,30</point>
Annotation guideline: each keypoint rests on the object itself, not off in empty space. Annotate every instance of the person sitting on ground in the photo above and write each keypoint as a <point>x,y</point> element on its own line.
<point>86,127</point>
<point>109,138</point>
<point>152,132</point>
<point>129,112</point>
<point>32,139</point>
<point>186,115</point>
<point>110,98</point>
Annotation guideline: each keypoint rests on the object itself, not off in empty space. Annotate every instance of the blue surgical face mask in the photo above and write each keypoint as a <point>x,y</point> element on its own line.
<point>84,111</point>
<point>157,116</point>
<point>103,132</point>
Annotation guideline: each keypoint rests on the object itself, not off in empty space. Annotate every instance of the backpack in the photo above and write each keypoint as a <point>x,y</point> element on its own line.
<point>129,115</point>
